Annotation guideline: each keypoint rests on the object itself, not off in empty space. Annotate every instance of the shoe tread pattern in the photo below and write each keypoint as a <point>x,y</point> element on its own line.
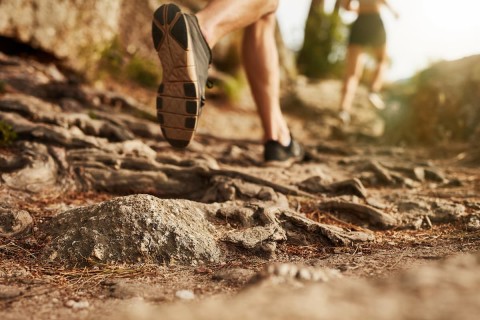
<point>178,101</point>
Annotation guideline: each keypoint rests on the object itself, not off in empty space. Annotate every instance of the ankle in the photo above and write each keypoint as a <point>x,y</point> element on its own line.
<point>285,140</point>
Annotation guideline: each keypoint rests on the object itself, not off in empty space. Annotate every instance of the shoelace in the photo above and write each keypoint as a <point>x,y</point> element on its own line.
<point>209,86</point>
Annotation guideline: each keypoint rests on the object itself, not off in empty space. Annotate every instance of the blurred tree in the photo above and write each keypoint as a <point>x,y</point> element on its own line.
<point>323,51</point>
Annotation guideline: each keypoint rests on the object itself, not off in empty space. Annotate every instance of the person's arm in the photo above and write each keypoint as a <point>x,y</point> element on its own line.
<point>392,9</point>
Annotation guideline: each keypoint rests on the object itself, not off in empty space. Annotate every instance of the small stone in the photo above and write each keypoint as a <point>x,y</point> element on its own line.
<point>98,252</point>
<point>473,224</point>
<point>286,270</point>
<point>435,175</point>
<point>304,274</point>
<point>125,290</point>
<point>235,275</point>
<point>414,206</point>
<point>417,224</point>
<point>203,270</point>
<point>14,223</point>
<point>329,274</point>
<point>269,248</point>
<point>266,194</point>
<point>294,274</point>
<point>419,174</point>
<point>447,211</point>
<point>317,276</point>
<point>9,292</point>
<point>455,182</point>
<point>77,305</point>
<point>185,294</point>
<point>20,273</point>
<point>235,151</point>
<point>315,184</point>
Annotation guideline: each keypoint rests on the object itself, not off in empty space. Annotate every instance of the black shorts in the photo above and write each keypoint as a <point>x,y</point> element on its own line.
<point>368,30</point>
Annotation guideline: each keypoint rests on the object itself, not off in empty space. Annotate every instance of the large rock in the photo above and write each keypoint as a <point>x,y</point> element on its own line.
<point>82,33</point>
<point>138,228</point>
<point>78,31</point>
<point>64,28</point>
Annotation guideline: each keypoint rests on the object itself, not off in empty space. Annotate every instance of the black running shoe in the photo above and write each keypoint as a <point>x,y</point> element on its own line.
<point>185,57</point>
<point>276,152</point>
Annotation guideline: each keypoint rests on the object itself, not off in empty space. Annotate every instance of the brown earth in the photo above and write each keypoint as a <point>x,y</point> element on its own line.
<point>78,146</point>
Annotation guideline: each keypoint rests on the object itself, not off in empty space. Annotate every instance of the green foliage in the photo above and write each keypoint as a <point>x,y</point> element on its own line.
<point>116,62</point>
<point>438,105</point>
<point>112,59</point>
<point>7,135</point>
<point>233,87</point>
<point>142,72</point>
<point>92,115</point>
<point>324,48</point>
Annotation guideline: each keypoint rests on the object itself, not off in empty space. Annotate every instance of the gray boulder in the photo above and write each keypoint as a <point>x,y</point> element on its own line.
<point>63,28</point>
<point>137,228</point>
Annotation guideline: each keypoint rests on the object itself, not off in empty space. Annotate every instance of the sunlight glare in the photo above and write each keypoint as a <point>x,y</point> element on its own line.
<point>427,31</point>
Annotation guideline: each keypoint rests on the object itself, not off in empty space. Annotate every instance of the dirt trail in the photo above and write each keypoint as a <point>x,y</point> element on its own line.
<point>351,217</point>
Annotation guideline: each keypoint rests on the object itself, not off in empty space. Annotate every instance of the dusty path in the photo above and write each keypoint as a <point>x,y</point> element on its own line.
<point>354,208</point>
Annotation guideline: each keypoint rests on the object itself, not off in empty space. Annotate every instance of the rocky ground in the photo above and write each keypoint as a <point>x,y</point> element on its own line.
<point>100,218</point>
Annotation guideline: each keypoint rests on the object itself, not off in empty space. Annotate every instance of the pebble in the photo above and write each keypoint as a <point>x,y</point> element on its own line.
<point>473,224</point>
<point>304,274</point>
<point>9,292</point>
<point>14,223</point>
<point>185,295</point>
<point>235,275</point>
<point>77,304</point>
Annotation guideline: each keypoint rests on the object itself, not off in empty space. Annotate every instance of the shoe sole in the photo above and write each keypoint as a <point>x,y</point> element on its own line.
<point>178,101</point>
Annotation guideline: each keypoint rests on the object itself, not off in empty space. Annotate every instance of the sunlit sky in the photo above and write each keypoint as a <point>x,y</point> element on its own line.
<point>427,31</point>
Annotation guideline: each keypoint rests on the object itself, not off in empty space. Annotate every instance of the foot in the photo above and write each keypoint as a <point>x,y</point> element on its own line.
<point>185,57</point>
<point>376,100</point>
<point>344,116</point>
<point>276,152</point>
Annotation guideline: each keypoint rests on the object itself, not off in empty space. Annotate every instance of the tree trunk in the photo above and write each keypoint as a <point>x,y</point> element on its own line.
<point>321,55</point>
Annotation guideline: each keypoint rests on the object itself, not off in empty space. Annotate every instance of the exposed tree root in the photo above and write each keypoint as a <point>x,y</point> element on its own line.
<point>366,214</point>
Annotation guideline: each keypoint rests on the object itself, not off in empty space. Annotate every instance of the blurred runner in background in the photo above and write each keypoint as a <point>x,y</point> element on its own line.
<point>367,32</point>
